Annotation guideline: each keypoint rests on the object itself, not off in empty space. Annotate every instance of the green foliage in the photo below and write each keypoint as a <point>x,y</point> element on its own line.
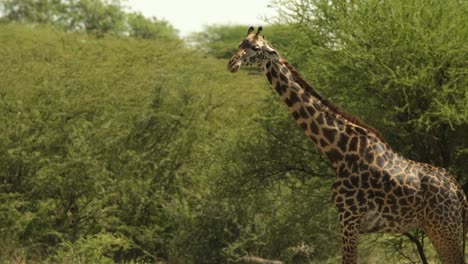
<point>92,16</point>
<point>280,184</point>
<point>108,136</point>
<point>222,41</point>
<point>219,41</point>
<point>91,249</point>
<point>26,11</point>
<point>140,26</point>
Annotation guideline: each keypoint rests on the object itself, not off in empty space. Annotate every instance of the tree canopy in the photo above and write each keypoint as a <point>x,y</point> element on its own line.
<point>92,16</point>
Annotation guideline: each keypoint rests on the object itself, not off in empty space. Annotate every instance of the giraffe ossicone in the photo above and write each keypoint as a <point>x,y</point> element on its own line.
<point>376,189</point>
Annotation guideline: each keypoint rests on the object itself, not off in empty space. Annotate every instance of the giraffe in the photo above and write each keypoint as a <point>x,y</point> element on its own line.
<point>376,189</point>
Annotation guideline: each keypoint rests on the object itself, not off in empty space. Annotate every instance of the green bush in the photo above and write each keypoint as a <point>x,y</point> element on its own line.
<point>103,135</point>
<point>99,248</point>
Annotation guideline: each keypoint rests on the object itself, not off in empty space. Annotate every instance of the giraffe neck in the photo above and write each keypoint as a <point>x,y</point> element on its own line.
<point>333,134</point>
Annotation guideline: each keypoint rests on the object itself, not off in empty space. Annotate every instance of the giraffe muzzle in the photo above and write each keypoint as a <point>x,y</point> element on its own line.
<point>234,65</point>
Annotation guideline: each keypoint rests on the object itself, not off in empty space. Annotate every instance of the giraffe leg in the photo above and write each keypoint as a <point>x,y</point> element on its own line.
<point>349,240</point>
<point>447,245</point>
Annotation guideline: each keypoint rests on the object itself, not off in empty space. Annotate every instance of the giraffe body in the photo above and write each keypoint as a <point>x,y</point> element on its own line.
<point>376,189</point>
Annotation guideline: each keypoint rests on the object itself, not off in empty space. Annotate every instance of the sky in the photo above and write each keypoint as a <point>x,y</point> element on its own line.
<point>191,15</point>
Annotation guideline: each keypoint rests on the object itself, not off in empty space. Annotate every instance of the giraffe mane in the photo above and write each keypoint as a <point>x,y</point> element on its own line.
<point>308,88</point>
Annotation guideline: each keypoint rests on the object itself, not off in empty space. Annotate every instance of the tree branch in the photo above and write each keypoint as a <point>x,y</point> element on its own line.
<point>419,246</point>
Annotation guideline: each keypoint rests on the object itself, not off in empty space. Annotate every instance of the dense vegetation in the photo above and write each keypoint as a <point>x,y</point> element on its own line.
<point>118,143</point>
<point>96,17</point>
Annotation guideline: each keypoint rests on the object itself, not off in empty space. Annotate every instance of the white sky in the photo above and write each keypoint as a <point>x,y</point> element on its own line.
<point>191,15</point>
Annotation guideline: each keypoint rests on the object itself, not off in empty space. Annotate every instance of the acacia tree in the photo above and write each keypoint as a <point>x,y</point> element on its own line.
<point>149,28</point>
<point>24,11</point>
<point>92,16</point>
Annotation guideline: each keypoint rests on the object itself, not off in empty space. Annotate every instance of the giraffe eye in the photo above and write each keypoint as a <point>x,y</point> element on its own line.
<point>255,48</point>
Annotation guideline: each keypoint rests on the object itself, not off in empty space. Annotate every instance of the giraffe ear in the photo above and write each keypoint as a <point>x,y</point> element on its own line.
<point>251,29</point>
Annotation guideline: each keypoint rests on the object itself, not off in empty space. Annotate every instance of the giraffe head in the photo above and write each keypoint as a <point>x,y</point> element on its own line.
<point>253,49</point>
